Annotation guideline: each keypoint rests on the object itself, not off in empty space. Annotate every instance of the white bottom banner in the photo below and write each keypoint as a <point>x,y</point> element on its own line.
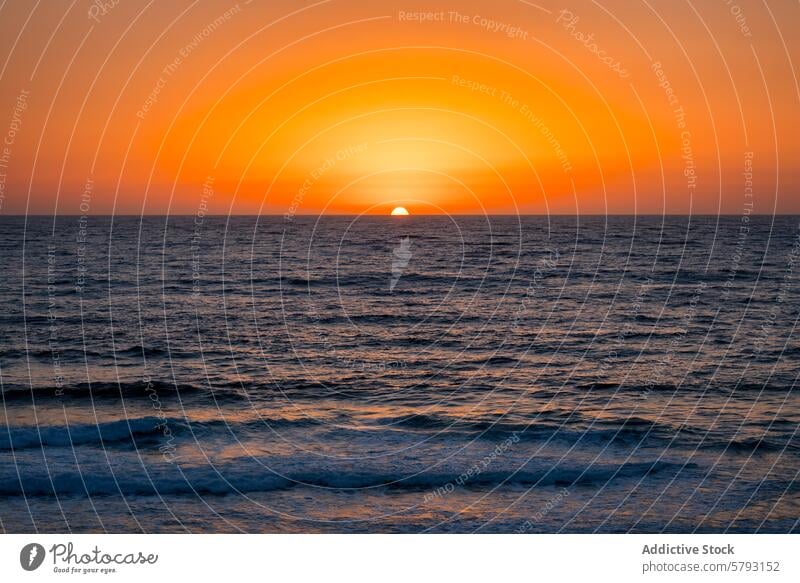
<point>371,558</point>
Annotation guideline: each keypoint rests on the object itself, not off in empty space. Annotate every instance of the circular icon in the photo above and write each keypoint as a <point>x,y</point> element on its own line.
<point>31,556</point>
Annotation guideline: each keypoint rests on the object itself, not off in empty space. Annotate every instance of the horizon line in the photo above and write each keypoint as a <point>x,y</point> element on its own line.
<point>283,215</point>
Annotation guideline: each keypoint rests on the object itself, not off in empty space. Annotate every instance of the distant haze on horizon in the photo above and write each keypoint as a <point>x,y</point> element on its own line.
<point>351,107</point>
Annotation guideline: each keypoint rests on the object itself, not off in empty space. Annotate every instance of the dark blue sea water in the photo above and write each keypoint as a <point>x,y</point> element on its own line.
<point>426,374</point>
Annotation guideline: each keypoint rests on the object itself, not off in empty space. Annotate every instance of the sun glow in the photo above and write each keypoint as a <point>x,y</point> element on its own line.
<point>400,212</point>
<point>465,124</point>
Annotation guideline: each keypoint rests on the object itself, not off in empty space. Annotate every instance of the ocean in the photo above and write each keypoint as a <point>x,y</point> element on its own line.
<point>422,374</point>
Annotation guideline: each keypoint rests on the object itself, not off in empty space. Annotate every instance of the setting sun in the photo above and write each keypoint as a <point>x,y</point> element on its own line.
<point>400,211</point>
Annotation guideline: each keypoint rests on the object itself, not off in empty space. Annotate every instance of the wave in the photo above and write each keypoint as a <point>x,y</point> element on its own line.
<point>106,389</point>
<point>495,360</point>
<point>247,478</point>
<point>715,387</point>
<point>132,429</point>
<point>753,444</point>
<point>136,351</point>
<point>84,434</point>
<point>367,280</point>
<point>80,354</point>
<point>612,386</point>
<point>556,426</point>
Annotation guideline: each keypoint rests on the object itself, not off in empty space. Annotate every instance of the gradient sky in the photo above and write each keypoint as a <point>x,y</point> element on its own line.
<point>353,106</point>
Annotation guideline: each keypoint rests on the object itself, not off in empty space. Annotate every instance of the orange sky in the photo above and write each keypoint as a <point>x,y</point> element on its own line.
<point>354,106</point>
